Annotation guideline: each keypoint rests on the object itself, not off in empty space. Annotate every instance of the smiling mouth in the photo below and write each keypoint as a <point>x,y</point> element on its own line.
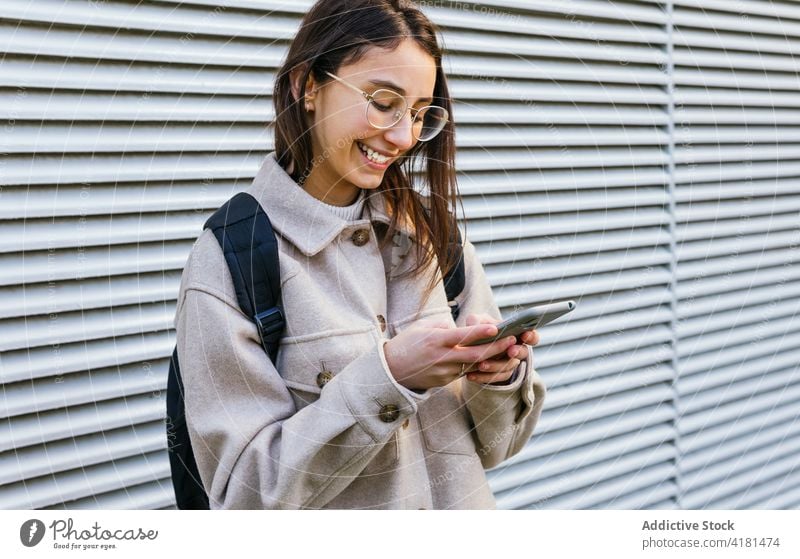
<point>373,155</point>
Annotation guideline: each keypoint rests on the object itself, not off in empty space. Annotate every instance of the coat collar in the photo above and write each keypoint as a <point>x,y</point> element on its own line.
<point>301,218</point>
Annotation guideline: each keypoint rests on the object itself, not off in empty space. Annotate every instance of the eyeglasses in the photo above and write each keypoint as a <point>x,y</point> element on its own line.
<point>385,108</point>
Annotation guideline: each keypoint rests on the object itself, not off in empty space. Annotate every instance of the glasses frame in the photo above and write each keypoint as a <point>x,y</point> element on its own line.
<point>415,112</point>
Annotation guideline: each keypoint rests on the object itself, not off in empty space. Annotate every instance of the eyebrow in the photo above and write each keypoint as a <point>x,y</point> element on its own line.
<point>400,90</point>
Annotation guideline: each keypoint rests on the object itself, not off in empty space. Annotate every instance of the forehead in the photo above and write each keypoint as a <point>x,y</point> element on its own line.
<point>408,66</point>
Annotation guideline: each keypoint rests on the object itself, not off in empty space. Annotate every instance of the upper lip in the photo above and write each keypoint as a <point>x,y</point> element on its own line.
<point>378,151</point>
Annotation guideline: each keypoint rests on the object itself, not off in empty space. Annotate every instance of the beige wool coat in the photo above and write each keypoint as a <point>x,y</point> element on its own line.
<point>327,426</point>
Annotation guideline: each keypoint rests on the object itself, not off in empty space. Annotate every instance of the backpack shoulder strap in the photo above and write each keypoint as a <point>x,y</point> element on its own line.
<point>248,242</point>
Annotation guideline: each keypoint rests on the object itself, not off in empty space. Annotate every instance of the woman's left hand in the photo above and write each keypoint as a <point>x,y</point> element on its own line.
<point>501,367</point>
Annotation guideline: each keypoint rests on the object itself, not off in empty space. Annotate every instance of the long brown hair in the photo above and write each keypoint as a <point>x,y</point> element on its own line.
<point>339,32</point>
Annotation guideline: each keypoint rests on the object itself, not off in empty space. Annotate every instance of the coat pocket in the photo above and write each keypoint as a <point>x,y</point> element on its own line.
<point>445,424</point>
<point>305,370</point>
<point>308,364</point>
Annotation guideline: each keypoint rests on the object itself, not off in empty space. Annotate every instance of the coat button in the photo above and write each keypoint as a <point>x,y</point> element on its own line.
<point>323,378</point>
<point>405,424</point>
<point>360,237</point>
<point>389,413</point>
<point>382,322</point>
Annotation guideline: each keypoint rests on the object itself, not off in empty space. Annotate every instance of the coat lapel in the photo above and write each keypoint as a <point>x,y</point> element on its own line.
<point>299,217</point>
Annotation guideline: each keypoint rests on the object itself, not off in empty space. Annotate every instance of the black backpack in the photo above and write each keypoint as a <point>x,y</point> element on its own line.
<point>248,242</point>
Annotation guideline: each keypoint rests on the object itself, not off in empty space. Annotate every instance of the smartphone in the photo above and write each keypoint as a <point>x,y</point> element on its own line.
<point>529,319</point>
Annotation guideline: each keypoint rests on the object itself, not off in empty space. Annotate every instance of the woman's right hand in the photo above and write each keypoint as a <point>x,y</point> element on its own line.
<point>429,353</point>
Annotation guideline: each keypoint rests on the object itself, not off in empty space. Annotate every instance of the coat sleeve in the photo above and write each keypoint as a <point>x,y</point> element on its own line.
<point>254,449</point>
<point>506,415</point>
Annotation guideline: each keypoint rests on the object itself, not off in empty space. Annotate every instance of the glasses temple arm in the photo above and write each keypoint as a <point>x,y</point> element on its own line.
<point>351,86</point>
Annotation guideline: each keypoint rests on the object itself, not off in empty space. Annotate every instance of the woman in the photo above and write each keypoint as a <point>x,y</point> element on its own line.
<point>373,402</point>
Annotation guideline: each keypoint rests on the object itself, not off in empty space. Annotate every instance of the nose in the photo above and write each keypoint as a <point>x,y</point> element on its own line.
<point>401,134</point>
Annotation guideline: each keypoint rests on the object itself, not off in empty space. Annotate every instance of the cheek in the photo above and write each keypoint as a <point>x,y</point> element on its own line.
<point>339,133</point>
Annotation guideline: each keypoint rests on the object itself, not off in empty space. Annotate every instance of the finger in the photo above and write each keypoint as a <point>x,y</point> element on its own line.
<point>477,353</point>
<point>518,351</point>
<point>531,337</point>
<point>488,377</point>
<point>481,318</point>
<point>434,323</point>
<point>495,365</point>
<point>466,334</point>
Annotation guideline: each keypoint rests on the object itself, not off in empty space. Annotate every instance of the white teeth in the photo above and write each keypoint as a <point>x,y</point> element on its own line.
<point>373,155</point>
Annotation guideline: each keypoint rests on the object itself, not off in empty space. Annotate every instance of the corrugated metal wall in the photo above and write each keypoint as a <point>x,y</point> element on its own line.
<point>737,196</point>
<point>581,210</point>
<point>640,157</point>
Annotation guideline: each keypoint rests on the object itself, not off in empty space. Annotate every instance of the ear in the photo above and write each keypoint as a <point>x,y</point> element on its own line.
<point>295,76</point>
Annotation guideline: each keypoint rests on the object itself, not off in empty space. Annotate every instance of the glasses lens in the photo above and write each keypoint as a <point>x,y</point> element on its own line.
<point>386,108</point>
<point>433,120</point>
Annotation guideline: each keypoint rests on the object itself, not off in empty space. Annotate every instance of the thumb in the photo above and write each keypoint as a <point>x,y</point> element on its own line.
<point>481,318</point>
<point>435,322</point>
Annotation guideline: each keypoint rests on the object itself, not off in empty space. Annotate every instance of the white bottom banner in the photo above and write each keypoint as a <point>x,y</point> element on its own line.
<point>619,534</point>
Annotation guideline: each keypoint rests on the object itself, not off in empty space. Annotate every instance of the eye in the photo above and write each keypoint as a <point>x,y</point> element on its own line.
<point>381,107</point>
<point>386,101</point>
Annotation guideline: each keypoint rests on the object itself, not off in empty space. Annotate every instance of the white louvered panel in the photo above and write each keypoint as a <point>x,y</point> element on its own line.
<point>772,468</point>
<point>57,233</point>
<point>299,7</point>
<point>104,138</point>
<point>733,60</point>
<point>67,200</point>
<point>540,136</point>
<point>127,128</point>
<point>734,79</point>
<point>747,17</point>
<point>69,264</point>
<point>77,451</point>
<point>788,495</point>
<point>468,89</point>
<point>738,243</point>
<point>162,104</point>
<point>562,135</point>
<point>512,112</point>
<point>559,179</point>
<point>88,294</point>
<point>766,459</point>
<point>146,496</point>
<point>781,9</point>
<point>636,11</point>
<point>56,361</point>
<point>567,459</point>
<point>83,483</point>
<point>727,115</point>
<point>616,419</point>
<point>85,325</point>
<point>143,77</point>
<point>141,126</point>
<point>113,404</point>
<point>139,497</point>
<point>158,17</point>
<point>643,474</point>
<point>203,168</point>
<point>753,99</point>
<point>751,445</point>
